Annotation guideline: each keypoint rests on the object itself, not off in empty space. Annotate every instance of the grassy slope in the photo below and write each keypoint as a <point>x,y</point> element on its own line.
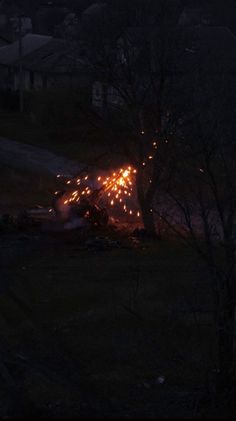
<point>84,149</point>
<point>97,329</point>
<point>106,325</point>
<point>22,189</point>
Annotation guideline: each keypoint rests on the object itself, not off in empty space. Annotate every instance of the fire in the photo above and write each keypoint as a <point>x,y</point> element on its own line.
<point>115,189</point>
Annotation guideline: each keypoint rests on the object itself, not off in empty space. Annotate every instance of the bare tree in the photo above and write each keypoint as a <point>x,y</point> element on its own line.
<point>203,197</point>
<point>135,70</point>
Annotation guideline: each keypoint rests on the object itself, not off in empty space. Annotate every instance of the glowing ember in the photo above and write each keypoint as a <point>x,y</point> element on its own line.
<point>115,190</point>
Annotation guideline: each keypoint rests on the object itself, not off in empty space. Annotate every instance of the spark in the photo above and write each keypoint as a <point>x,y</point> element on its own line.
<point>117,188</point>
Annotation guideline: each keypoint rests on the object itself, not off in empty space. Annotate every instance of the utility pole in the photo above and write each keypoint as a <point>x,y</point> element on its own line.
<point>21,76</point>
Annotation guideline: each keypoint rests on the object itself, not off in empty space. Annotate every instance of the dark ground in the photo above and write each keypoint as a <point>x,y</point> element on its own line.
<point>125,332</point>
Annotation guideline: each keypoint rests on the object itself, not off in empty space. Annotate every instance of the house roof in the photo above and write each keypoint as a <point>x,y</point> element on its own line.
<point>57,56</point>
<point>44,54</point>
<point>94,9</point>
<point>31,42</point>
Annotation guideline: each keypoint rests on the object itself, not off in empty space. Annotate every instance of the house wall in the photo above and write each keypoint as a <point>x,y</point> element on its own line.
<point>27,81</point>
<point>69,81</point>
<point>38,81</point>
<point>102,98</point>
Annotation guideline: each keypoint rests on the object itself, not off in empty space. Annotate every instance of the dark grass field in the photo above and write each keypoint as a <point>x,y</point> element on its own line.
<point>81,143</point>
<point>92,333</point>
<point>127,332</point>
<point>23,189</point>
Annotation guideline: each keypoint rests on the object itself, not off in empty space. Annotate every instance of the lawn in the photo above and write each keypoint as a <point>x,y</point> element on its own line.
<point>21,189</point>
<point>79,142</point>
<point>125,333</point>
<point>95,333</point>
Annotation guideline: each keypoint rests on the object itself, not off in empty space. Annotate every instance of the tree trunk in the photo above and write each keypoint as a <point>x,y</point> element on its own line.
<point>146,208</point>
<point>148,220</point>
<point>226,329</point>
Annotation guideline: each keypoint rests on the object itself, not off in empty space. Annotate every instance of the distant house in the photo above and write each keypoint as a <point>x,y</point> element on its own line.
<point>26,25</point>
<point>192,49</point>
<point>9,56</point>
<point>47,62</point>
<point>105,95</point>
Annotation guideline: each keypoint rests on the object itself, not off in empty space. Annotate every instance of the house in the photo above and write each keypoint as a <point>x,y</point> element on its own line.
<point>26,24</point>
<point>188,51</point>
<point>46,62</point>
<point>9,56</point>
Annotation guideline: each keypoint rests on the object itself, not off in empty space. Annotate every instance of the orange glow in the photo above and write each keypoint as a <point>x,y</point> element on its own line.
<point>117,188</point>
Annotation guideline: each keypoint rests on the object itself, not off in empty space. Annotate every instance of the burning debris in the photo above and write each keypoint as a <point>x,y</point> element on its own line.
<point>93,200</point>
<point>83,202</point>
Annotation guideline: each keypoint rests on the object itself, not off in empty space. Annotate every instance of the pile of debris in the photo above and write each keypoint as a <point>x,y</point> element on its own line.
<point>89,209</point>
